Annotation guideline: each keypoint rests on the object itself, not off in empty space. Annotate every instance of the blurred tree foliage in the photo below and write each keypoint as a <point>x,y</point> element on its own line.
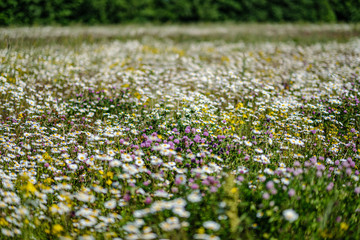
<point>63,12</point>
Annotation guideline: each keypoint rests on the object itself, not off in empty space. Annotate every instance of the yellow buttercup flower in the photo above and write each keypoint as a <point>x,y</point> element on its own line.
<point>344,226</point>
<point>57,228</point>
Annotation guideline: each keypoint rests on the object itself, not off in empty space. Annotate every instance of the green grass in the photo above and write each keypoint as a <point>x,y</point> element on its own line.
<point>300,34</point>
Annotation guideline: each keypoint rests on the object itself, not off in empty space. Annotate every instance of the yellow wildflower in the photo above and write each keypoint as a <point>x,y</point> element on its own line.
<point>344,226</point>
<point>57,228</point>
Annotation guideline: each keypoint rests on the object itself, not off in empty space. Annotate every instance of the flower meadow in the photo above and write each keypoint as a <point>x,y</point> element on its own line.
<point>155,138</point>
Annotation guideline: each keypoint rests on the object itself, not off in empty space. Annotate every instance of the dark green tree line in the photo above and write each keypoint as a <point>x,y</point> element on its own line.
<point>64,12</point>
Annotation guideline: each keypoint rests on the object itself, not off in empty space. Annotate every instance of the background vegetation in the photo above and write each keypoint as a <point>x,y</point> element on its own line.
<point>64,12</point>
